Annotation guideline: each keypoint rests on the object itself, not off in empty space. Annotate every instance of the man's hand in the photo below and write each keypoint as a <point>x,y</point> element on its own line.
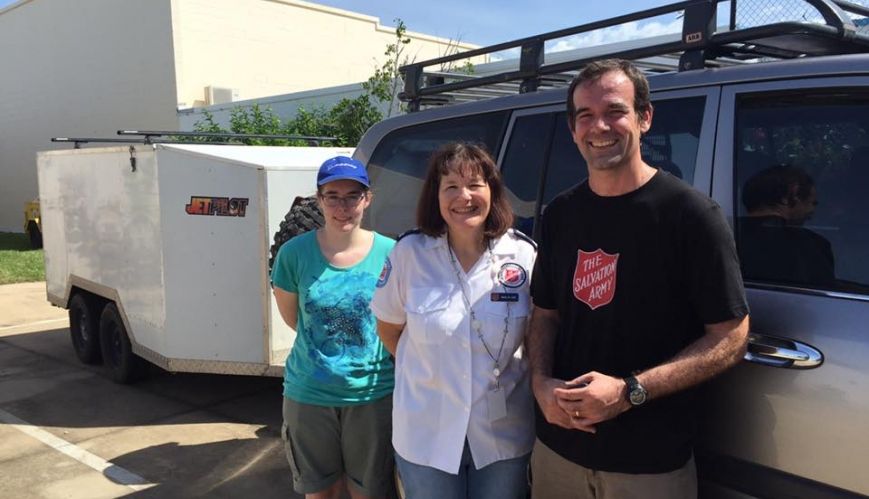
<point>544,391</point>
<point>591,399</point>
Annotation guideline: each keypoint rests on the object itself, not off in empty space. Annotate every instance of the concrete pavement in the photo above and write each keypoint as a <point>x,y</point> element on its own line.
<point>67,431</point>
<point>25,304</point>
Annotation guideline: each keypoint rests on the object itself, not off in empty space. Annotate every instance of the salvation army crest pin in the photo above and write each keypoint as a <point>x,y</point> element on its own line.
<point>384,274</point>
<point>594,280</point>
<point>512,275</point>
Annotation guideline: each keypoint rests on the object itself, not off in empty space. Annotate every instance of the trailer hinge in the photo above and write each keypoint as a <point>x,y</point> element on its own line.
<point>133,159</point>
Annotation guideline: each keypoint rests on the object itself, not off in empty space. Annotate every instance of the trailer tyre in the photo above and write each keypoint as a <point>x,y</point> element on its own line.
<point>84,328</point>
<point>303,216</point>
<point>122,364</point>
<point>35,235</point>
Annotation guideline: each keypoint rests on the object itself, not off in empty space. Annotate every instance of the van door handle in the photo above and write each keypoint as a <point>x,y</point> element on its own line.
<point>782,352</point>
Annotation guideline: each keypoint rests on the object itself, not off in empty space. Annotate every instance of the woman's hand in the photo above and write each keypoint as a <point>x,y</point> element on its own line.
<point>389,334</point>
<point>288,306</point>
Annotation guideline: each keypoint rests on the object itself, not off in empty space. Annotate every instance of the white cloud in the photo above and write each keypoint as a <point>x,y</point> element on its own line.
<point>620,33</point>
<point>505,55</point>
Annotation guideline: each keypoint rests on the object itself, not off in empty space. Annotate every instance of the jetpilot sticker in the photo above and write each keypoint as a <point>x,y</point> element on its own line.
<point>384,274</point>
<point>512,275</point>
<point>221,207</point>
<point>594,280</point>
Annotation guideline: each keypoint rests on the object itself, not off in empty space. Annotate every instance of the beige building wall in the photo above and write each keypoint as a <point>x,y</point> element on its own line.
<point>83,68</point>
<point>282,46</point>
<point>86,68</point>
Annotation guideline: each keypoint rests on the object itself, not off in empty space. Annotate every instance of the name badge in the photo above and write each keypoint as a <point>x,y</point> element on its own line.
<point>497,401</point>
<point>508,297</point>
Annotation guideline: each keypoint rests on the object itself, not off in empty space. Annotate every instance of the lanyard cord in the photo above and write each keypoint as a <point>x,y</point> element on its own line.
<point>476,325</point>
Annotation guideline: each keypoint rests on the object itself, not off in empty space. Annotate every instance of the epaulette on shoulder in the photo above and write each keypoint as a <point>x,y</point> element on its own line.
<point>521,236</point>
<point>407,233</point>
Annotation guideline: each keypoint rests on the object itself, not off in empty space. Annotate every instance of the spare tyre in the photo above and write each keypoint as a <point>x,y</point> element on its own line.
<point>303,216</point>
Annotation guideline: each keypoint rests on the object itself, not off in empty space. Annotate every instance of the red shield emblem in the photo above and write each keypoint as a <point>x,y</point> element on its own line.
<point>594,280</point>
<point>512,275</point>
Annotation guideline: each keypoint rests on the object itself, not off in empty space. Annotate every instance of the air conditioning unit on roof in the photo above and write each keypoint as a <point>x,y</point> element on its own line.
<point>220,95</point>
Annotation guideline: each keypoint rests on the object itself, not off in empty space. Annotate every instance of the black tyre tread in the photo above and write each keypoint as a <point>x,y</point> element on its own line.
<point>303,216</point>
<point>88,349</point>
<point>35,235</point>
<point>130,367</point>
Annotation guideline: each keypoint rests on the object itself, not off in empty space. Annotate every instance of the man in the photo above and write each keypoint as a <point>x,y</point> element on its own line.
<point>637,298</point>
<point>774,245</point>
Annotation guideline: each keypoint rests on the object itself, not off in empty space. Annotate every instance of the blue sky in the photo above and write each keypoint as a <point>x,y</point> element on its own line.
<point>485,22</point>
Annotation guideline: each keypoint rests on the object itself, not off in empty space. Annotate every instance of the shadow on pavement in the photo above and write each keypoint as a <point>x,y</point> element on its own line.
<point>190,434</point>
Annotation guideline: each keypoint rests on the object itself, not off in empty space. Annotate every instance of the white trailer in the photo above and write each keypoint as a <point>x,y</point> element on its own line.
<point>160,252</point>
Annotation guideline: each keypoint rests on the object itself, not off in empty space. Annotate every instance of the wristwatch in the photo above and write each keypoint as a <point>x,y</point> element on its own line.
<point>637,395</point>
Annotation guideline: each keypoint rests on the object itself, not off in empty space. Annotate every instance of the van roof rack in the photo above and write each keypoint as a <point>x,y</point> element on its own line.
<point>188,138</point>
<point>169,135</point>
<point>701,45</point>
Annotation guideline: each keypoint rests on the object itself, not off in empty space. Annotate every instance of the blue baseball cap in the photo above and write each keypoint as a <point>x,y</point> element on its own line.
<point>342,168</point>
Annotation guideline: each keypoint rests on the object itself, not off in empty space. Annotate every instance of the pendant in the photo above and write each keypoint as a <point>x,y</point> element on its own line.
<point>477,325</point>
<point>496,372</point>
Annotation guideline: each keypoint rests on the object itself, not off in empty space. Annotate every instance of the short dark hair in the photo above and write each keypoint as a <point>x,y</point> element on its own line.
<point>769,187</point>
<point>595,70</point>
<point>465,159</point>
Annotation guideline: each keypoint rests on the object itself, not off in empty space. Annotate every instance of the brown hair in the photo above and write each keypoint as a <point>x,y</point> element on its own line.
<point>772,186</point>
<point>465,159</point>
<point>593,72</point>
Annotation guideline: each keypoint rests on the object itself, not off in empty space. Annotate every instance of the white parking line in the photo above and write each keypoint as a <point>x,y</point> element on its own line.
<point>111,471</point>
<point>36,323</point>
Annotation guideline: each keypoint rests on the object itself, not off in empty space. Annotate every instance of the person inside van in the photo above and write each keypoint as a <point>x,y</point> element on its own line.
<point>773,244</point>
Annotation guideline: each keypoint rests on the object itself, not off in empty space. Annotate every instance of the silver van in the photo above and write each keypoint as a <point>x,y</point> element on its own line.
<point>745,110</point>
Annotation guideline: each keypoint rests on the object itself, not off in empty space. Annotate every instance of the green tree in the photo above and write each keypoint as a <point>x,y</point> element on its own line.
<point>352,117</point>
<point>208,125</point>
<point>256,120</point>
<point>452,48</point>
<point>386,82</point>
<point>313,122</point>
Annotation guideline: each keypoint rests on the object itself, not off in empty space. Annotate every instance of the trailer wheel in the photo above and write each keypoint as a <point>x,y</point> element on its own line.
<point>35,235</point>
<point>303,216</point>
<point>84,328</point>
<point>122,364</point>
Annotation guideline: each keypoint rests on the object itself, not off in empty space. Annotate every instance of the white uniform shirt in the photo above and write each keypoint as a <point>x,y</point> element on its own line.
<point>442,371</point>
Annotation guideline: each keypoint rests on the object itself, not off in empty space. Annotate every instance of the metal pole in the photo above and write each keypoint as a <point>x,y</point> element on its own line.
<point>732,15</point>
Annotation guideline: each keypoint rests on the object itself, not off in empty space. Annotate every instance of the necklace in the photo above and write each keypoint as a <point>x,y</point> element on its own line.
<point>476,324</point>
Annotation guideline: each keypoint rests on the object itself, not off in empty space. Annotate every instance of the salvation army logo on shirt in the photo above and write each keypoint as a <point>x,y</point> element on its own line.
<point>512,275</point>
<point>384,274</point>
<point>594,280</point>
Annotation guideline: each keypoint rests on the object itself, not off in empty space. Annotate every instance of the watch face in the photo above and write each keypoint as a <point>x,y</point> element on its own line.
<point>638,396</point>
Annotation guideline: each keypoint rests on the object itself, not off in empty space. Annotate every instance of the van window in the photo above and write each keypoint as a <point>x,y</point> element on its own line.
<point>397,167</point>
<point>671,144</point>
<point>801,162</point>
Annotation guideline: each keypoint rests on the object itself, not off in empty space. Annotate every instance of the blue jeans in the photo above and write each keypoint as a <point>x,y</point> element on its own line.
<point>506,479</point>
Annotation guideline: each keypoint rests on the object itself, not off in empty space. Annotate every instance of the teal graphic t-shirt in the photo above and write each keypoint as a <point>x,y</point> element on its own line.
<point>337,359</point>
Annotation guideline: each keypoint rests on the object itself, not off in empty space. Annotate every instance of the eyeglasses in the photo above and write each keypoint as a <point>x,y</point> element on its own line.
<point>348,201</point>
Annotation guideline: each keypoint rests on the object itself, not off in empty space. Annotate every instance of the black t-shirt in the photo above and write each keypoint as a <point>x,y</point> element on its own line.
<point>634,278</point>
<point>774,251</point>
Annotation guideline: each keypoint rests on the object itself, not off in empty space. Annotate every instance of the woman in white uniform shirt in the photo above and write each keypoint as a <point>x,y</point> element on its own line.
<point>451,305</point>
